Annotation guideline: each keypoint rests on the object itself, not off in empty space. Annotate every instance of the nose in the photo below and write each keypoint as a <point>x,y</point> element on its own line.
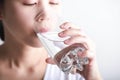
<point>43,13</point>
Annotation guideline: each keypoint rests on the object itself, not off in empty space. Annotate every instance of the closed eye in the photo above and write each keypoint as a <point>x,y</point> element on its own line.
<point>54,3</point>
<point>29,4</point>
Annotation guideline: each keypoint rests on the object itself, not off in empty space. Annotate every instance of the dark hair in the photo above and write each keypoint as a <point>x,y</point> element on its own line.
<point>1,31</point>
<point>1,2</point>
<point>1,25</point>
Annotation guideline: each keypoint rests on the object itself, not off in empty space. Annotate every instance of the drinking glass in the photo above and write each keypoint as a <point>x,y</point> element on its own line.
<point>65,56</point>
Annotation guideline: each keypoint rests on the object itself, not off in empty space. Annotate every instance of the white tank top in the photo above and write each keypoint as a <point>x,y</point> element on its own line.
<point>54,73</point>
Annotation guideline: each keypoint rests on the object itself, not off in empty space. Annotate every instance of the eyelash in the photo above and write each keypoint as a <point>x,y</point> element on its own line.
<point>29,4</point>
<point>53,3</point>
<point>32,4</point>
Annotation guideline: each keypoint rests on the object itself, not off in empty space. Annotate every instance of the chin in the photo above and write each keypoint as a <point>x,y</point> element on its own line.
<point>33,42</point>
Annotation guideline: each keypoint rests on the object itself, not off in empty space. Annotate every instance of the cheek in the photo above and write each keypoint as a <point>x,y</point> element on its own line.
<point>19,18</point>
<point>25,17</point>
<point>20,24</point>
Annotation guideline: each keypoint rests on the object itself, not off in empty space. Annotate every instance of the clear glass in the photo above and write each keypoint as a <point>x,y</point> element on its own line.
<point>65,56</point>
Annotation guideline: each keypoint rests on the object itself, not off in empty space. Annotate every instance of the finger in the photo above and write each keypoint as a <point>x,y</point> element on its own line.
<point>76,39</point>
<point>71,32</point>
<point>88,43</point>
<point>68,25</point>
<point>50,61</point>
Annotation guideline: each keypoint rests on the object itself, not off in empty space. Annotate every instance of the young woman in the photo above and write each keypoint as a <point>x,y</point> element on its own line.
<point>22,56</point>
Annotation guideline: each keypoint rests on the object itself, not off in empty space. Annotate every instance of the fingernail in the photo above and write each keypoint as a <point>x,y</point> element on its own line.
<point>67,41</point>
<point>62,26</point>
<point>61,34</point>
<point>65,27</point>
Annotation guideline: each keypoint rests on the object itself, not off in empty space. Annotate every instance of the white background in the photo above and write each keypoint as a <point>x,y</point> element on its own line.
<point>101,21</point>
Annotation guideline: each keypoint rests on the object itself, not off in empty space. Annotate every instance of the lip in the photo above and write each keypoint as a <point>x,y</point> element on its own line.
<point>43,30</point>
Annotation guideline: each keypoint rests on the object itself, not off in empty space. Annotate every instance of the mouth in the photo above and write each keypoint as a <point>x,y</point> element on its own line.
<point>42,29</point>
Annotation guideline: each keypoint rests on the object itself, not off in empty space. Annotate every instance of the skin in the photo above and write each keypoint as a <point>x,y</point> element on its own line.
<point>20,19</point>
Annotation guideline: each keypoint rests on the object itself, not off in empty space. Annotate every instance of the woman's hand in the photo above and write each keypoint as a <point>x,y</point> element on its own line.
<point>90,71</point>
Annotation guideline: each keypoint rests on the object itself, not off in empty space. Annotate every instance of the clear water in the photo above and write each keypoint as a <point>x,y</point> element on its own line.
<point>71,61</point>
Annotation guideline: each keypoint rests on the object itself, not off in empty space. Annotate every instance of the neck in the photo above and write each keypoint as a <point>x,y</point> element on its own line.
<point>21,54</point>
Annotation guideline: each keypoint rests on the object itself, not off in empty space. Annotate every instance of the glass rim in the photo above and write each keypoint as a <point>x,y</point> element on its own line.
<point>53,36</point>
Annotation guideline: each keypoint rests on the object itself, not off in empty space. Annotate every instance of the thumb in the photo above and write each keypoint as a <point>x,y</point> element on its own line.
<point>50,60</point>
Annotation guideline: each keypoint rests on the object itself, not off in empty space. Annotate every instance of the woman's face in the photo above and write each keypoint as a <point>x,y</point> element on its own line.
<point>21,17</point>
